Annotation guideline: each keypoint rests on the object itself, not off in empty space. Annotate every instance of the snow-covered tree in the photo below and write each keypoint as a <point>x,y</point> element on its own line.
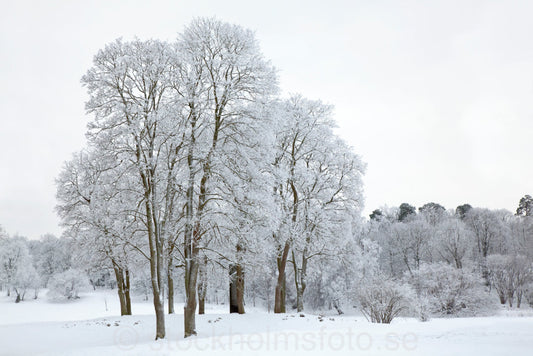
<point>406,211</point>
<point>488,229</point>
<point>98,205</point>
<point>318,189</point>
<point>16,267</point>
<point>525,206</point>
<point>128,87</point>
<point>510,275</point>
<point>449,290</point>
<point>453,242</point>
<point>67,285</point>
<point>433,213</point>
<point>220,72</point>
<point>410,240</point>
<point>26,278</point>
<point>51,255</point>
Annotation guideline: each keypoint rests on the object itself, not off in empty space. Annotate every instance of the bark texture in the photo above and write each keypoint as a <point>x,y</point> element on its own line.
<point>236,289</point>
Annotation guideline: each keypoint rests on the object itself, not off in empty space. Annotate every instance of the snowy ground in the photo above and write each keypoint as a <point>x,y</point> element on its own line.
<point>85,327</point>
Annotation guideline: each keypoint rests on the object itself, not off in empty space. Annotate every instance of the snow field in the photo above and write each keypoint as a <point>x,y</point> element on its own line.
<point>85,327</point>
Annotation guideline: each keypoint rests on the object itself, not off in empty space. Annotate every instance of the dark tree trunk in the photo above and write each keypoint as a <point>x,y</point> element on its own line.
<point>155,245</point>
<point>120,289</point>
<point>191,279</point>
<point>189,319</point>
<point>155,270</point>
<point>202,285</point>
<point>201,305</point>
<point>170,282</point>
<point>127,287</point>
<point>279,301</point>
<point>236,289</point>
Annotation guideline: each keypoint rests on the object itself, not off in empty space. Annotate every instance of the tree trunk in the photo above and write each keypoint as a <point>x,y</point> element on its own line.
<point>279,301</point>
<point>158,301</point>
<point>191,279</point>
<point>159,315</point>
<point>190,250</point>
<point>300,279</point>
<point>201,304</point>
<point>240,289</point>
<point>155,245</point>
<point>191,274</point>
<point>458,262</point>
<point>120,289</point>
<point>127,288</point>
<point>236,289</point>
<point>337,307</point>
<point>202,285</point>
<point>170,281</point>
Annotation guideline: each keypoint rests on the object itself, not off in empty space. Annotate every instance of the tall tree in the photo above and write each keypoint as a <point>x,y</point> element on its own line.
<point>525,206</point>
<point>453,241</point>
<point>128,87</point>
<point>462,210</point>
<point>432,212</point>
<point>220,71</point>
<point>97,206</point>
<point>487,229</point>
<point>376,214</point>
<point>406,211</point>
<point>317,181</point>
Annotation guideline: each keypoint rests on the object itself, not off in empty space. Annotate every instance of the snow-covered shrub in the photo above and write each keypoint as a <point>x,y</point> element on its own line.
<point>420,307</point>
<point>449,290</point>
<point>67,285</point>
<point>381,299</point>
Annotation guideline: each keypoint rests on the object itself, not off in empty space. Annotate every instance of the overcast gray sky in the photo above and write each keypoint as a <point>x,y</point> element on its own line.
<point>436,96</point>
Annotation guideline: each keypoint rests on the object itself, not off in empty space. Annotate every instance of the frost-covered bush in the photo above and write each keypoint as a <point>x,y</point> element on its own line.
<point>420,307</point>
<point>67,285</point>
<point>382,299</point>
<point>448,290</point>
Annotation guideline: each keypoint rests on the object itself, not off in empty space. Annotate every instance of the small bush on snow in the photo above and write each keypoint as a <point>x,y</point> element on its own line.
<point>450,291</point>
<point>67,285</point>
<point>382,299</point>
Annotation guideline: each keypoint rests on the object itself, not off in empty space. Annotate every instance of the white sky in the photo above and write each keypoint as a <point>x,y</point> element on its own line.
<point>436,96</point>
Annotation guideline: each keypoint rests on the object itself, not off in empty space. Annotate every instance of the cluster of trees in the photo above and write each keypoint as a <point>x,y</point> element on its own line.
<point>452,260</point>
<point>199,183</point>
<point>30,265</point>
<point>195,168</point>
